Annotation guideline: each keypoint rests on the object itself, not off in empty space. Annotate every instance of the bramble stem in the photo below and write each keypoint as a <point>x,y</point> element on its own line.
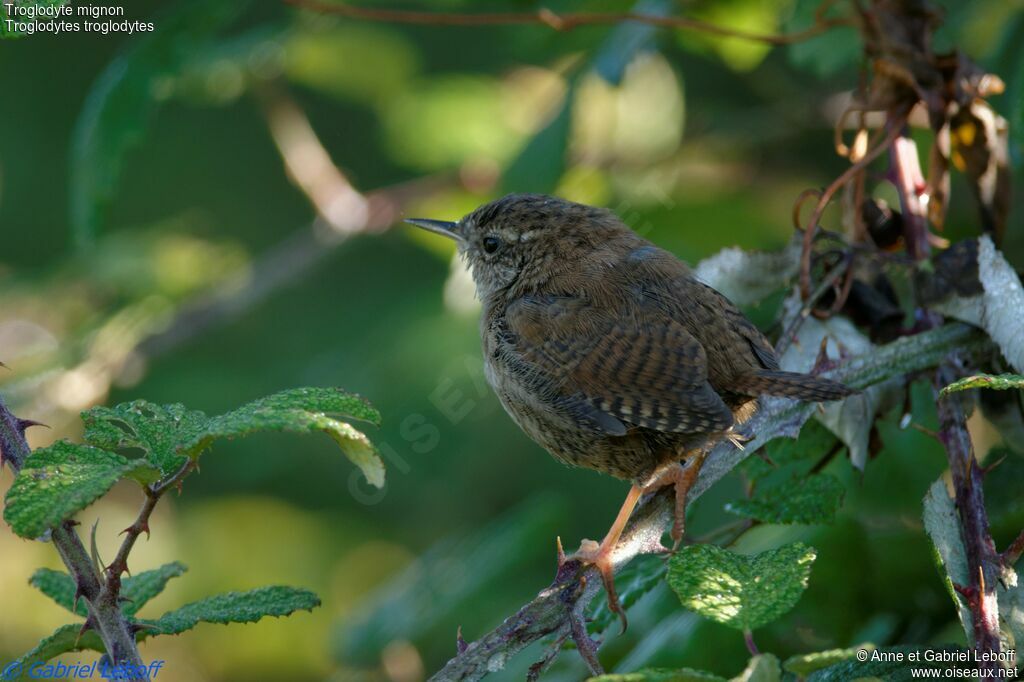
<point>104,613</point>
<point>983,561</point>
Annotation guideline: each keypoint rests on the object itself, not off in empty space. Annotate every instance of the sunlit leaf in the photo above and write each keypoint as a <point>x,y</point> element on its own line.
<point>814,499</point>
<point>317,399</point>
<point>169,434</point>
<point>997,382</point>
<point>62,479</point>
<point>157,430</point>
<point>302,410</point>
<point>234,607</point>
<point>743,592</point>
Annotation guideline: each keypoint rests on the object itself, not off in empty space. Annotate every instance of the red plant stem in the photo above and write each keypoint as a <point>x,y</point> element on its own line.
<point>1013,553</point>
<point>748,639</point>
<point>909,182</point>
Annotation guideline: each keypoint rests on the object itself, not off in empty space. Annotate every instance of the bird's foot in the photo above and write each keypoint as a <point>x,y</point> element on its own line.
<point>738,439</point>
<point>681,476</point>
<point>598,555</point>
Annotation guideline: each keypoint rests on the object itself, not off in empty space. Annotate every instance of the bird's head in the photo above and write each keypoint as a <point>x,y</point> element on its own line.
<point>522,239</point>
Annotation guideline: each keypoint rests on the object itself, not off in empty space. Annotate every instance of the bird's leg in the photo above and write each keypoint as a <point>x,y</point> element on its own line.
<point>600,555</point>
<point>682,476</point>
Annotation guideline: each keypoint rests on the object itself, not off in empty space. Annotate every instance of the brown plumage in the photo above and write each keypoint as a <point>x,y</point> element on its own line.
<point>606,349</point>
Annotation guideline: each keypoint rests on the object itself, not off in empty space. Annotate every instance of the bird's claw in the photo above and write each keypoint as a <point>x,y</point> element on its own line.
<point>597,555</point>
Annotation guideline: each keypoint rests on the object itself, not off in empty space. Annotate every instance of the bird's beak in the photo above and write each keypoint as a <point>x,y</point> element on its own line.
<point>442,227</point>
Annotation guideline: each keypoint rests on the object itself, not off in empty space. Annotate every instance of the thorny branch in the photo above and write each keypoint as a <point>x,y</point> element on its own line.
<point>1014,552</point>
<point>559,608</point>
<point>105,613</point>
<point>112,584</point>
<point>567,21</point>
<point>983,561</point>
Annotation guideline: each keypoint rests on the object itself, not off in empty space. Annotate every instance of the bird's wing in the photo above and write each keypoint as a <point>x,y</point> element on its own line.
<point>763,350</point>
<point>633,366</point>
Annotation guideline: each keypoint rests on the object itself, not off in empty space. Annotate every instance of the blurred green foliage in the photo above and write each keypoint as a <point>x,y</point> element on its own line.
<point>154,151</point>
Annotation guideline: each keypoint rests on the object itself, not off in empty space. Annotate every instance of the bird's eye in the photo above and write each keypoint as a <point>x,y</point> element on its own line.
<point>491,244</point>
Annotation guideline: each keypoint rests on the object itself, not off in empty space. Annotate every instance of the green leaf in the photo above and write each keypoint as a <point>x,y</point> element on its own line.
<point>325,400</point>
<point>997,382</point>
<point>805,664</point>
<point>15,31</point>
<point>627,40</point>
<point>761,668</point>
<point>66,638</point>
<point>799,454</point>
<point>743,592</point>
<point>660,675</point>
<point>890,664</point>
<point>58,586</point>
<point>135,589</point>
<point>62,479</point>
<point>168,434</point>
<point>120,104</point>
<point>811,500</point>
<point>302,410</point>
<point>139,589</point>
<point>157,430</point>
<point>942,524</point>
<point>541,163</point>
<point>234,607</point>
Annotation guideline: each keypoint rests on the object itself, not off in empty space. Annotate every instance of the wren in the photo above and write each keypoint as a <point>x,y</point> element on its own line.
<point>609,353</point>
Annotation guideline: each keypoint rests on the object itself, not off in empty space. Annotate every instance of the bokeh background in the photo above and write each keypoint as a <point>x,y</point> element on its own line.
<point>156,242</point>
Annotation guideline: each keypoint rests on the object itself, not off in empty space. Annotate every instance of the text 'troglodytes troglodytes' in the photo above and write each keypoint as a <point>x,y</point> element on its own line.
<point>608,352</point>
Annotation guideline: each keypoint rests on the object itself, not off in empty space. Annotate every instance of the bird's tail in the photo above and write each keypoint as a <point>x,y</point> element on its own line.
<point>794,385</point>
